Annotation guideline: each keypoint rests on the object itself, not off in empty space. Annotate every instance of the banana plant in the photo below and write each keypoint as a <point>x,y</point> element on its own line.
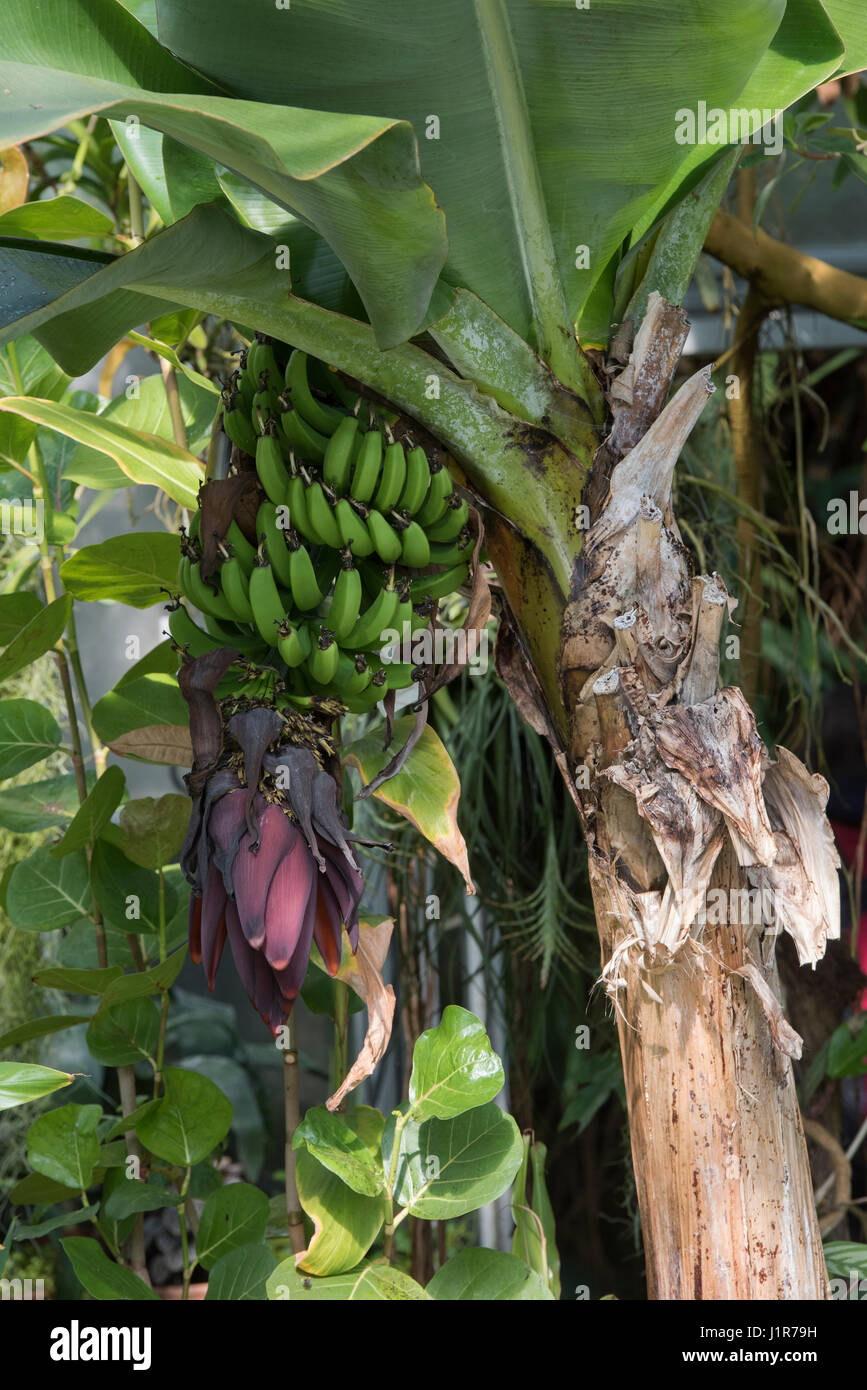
<point>484,217</point>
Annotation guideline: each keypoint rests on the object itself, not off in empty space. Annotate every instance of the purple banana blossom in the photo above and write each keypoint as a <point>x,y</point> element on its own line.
<point>269,851</point>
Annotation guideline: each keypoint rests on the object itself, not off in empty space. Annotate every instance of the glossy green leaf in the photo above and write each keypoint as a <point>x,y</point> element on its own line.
<point>454,1067</point>
<point>39,636</point>
<point>28,733</point>
<point>188,1122</point>
<point>16,611</point>
<point>62,1144</point>
<point>489,1276</point>
<point>134,569</point>
<point>331,1140</point>
<point>368,1283</point>
<point>44,893</point>
<point>41,1028</point>
<point>31,806</point>
<point>36,1190</point>
<point>154,828</point>
<point>234,1215</point>
<point>147,411</point>
<point>22,1082</point>
<point>94,813</point>
<point>56,219</point>
<point>241,1275</point>
<point>447,1168</point>
<point>123,1033</point>
<point>355,178</point>
<point>54,1223</point>
<point>345,1223</point>
<point>153,699</point>
<point>426,790</point>
<point>144,982</point>
<point>142,458</point>
<point>131,1195</point>
<point>102,1277</point>
<point>25,369</point>
<point>77,981</point>
<point>126,894</point>
<point>126,1123</point>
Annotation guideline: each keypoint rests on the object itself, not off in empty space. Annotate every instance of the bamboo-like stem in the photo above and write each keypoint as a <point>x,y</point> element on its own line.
<point>292,1112</point>
<point>176,414</point>
<point>339,1065</point>
<point>126,1086</point>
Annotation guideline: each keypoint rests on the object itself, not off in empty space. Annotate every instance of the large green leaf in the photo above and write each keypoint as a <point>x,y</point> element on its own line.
<point>345,1223</point>
<point>42,633</point>
<point>44,893</point>
<point>151,700</point>
<point>21,1082</point>
<point>126,894</point>
<point>425,791</point>
<point>56,219</point>
<point>188,1122</point>
<point>232,1216</point>
<point>142,458</point>
<point>102,1278</point>
<point>487,1276</point>
<point>447,1168</point>
<point>41,1028</point>
<point>353,177</point>
<point>25,369</point>
<point>123,1033</point>
<point>28,733</point>
<point>94,813</point>
<point>154,828</point>
<point>368,1283</point>
<point>454,1068</point>
<point>134,569</point>
<point>338,1148</point>
<point>16,610</point>
<point>39,805</point>
<point>241,1275</point>
<point>63,1145</point>
<point>539,137</point>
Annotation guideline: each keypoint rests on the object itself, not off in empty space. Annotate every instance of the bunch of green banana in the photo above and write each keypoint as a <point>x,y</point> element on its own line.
<point>357,533</point>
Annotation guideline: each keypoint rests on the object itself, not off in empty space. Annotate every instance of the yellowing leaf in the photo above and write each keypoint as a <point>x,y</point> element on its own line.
<point>426,790</point>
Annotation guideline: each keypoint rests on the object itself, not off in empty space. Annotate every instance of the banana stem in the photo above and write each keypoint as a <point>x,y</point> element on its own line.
<point>341,1035</point>
<point>294,1215</point>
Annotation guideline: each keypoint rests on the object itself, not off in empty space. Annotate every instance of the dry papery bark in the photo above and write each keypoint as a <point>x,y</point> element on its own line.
<point>683,808</point>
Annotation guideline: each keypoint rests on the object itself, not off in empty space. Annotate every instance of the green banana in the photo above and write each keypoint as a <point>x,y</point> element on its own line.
<point>439,585</point>
<point>271,468</point>
<point>187,634</point>
<point>415,489</point>
<point>265,601</point>
<point>384,537</point>
<point>393,477</point>
<point>367,467</point>
<point>337,464</point>
<point>345,603</point>
<point>265,406</point>
<point>376,617</point>
<point>322,517</point>
<point>353,528</point>
<point>241,547</point>
<point>325,418</point>
<point>369,698</point>
<point>324,657</point>
<point>228,635</point>
<point>435,505</point>
<point>293,642</point>
<point>414,545</point>
<point>268,527</point>
<point>237,425</point>
<point>450,552</point>
<point>299,517</point>
<point>234,584</point>
<point>204,597</point>
<point>456,516</point>
<point>399,675</point>
<point>260,358</point>
<point>302,576</point>
<point>303,438</point>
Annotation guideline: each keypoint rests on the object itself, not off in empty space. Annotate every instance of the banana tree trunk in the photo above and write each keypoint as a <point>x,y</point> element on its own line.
<point>702,848</point>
